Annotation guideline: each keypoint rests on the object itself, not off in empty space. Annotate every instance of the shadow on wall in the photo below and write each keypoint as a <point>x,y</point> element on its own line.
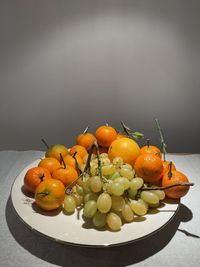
<point>69,64</point>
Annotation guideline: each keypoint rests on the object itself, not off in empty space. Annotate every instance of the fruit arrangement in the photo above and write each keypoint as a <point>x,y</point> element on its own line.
<point>107,175</point>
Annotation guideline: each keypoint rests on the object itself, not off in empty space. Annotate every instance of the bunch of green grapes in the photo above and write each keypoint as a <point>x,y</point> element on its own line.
<point>112,195</point>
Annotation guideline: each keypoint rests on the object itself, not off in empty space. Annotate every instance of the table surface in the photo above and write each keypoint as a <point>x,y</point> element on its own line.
<point>177,244</point>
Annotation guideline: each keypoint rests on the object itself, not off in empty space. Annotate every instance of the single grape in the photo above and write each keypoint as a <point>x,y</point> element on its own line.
<point>95,184</point>
<point>118,203</point>
<point>78,198</point>
<point>140,200</point>
<point>159,193</point>
<point>117,189</point>
<point>90,209</point>
<point>115,175</point>
<point>79,189</point>
<point>123,181</point>
<point>127,166</point>
<point>103,155</point>
<point>94,169</point>
<point>90,196</point>
<point>82,167</point>
<point>104,202</point>
<point>149,197</point>
<point>118,161</point>
<point>69,203</point>
<point>138,208</point>
<point>105,161</point>
<point>132,193</point>
<point>114,221</point>
<point>99,219</point>
<point>127,213</point>
<point>136,183</point>
<point>127,173</point>
<point>108,169</point>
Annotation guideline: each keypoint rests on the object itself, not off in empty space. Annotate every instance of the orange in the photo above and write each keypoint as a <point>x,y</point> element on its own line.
<point>86,140</point>
<point>105,135</point>
<point>120,135</point>
<point>81,151</point>
<point>176,191</point>
<point>50,194</point>
<point>69,160</point>
<point>34,177</point>
<point>49,163</point>
<point>66,175</point>
<point>149,167</point>
<point>55,151</point>
<point>126,148</point>
<point>150,150</point>
<point>166,165</point>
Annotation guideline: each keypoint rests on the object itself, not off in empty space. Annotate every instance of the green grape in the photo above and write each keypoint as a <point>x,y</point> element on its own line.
<point>127,213</point>
<point>104,202</point>
<point>94,169</point>
<point>132,193</point>
<point>103,155</point>
<point>95,184</point>
<point>90,196</point>
<point>78,198</point>
<point>127,173</point>
<point>108,169</point>
<point>69,203</point>
<point>118,161</point>
<point>138,208</point>
<point>127,166</point>
<point>159,193</point>
<point>136,183</point>
<point>149,197</point>
<point>118,203</point>
<point>82,167</point>
<point>140,200</point>
<point>79,190</point>
<point>86,185</point>
<point>115,175</point>
<point>90,209</point>
<point>123,181</point>
<point>99,219</point>
<point>105,161</point>
<point>114,221</point>
<point>107,187</point>
<point>117,189</point>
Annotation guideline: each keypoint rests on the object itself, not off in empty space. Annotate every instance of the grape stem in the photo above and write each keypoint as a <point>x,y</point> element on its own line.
<point>163,144</point>
<point>148,142</point>
<point>86,130</point>
<point>98,158</point>
<point>166,187</point>
<point>76,162</point>
<point>170,170</point>
<point>62,160</point>
<point>45,143</point>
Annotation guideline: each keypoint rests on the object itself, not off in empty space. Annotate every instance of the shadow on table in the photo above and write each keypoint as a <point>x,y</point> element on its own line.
<point>67,255</point>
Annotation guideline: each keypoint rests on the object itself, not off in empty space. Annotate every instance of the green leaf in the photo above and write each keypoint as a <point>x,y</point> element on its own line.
<point>131,133</point>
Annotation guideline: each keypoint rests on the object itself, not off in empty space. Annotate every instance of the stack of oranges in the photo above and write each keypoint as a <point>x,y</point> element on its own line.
<point>59,168</point>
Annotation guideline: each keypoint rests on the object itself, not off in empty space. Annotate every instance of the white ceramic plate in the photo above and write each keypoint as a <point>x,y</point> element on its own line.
<point>73,230</point>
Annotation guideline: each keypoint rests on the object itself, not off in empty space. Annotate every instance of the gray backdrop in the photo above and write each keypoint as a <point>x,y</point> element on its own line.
<point>68,64</point>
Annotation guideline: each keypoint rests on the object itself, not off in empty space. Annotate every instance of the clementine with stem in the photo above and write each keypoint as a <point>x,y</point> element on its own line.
<point>149,167</point>
<point>50,194</point>
<point>173,177</point>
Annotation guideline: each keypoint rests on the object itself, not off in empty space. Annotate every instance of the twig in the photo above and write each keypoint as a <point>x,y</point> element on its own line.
<point>166,187</point>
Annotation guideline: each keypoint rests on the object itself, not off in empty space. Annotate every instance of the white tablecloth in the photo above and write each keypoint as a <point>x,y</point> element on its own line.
<point>177,244</point>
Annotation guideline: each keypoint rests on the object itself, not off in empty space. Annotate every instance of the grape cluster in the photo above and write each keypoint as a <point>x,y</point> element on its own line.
<point>111,195</point>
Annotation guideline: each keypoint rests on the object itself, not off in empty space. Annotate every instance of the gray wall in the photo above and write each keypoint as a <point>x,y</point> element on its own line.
<point>67,64</point>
